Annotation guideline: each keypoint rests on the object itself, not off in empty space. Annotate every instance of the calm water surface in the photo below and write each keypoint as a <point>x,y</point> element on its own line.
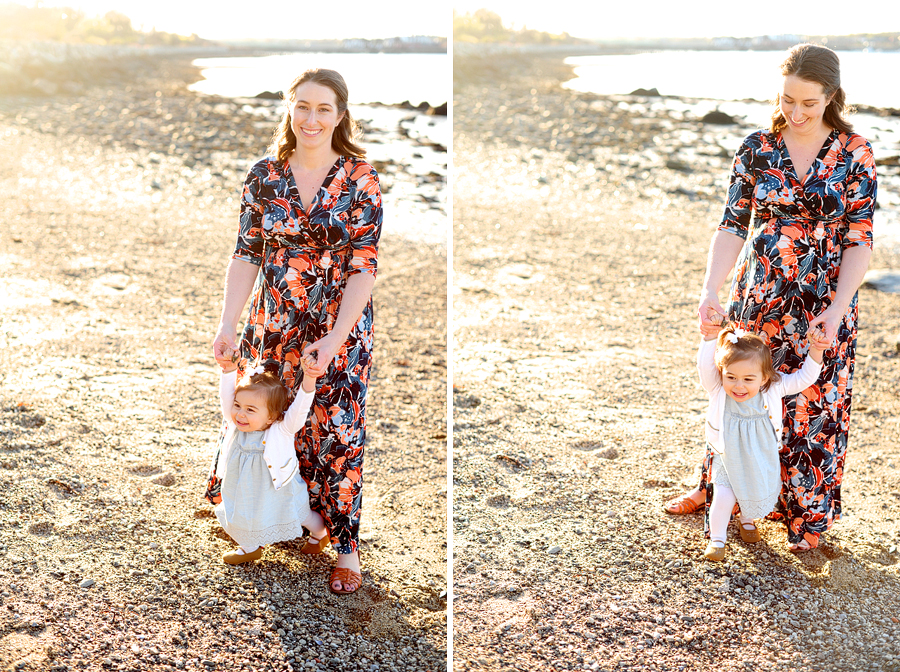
<point>383,78</point>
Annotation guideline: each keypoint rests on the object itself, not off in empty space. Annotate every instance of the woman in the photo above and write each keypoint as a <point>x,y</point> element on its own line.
<point>309,229</point>
<point>811,183</point>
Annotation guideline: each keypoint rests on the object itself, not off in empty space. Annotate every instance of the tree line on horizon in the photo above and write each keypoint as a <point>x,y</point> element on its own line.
<point>66,24</point>
<point>483,25</point>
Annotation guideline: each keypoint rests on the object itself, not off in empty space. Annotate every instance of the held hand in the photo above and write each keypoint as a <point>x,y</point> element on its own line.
<point>818,342</point>
<point>828,322</point>
<point>233,358</point>
<point>225,348</point>
<point>710,316</point>
<point>322,353</point>
<point>309,365</point>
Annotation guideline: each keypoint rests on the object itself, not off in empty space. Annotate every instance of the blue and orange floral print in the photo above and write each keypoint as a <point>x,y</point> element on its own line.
<point>305,261</point>
<point>787,274</point>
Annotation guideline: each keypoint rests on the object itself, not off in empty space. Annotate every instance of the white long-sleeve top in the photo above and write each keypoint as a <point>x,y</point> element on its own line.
<point>279,453</point>
<point>711,380</point>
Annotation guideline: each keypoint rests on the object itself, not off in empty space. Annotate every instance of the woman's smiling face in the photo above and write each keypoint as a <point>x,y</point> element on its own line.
<point>802,104</point>
<point>314,115</point>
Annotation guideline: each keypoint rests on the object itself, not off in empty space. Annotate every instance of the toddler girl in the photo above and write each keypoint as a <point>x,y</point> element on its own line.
<point>744,424</point>
<point>263,497</point>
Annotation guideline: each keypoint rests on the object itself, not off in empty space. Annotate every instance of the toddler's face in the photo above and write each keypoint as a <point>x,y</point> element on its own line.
<point>742,379</point>
<point>250,411</point>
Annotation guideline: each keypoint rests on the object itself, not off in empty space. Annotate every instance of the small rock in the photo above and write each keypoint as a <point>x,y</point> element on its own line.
<point>87,583</point>
<point>883,281</point>
<point>554,550</point>
<point>645,92</point>
<point>165,480</point>
<point>717,117</point>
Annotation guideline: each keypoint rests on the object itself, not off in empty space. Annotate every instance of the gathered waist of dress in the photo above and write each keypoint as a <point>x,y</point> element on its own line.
<point>320,256</point>
<point>765,217</point>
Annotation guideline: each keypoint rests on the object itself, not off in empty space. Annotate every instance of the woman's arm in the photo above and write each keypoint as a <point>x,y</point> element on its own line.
<point>355,298</point>
<point>239,279</point>
<point>723,253</point>
<point>854,262</point>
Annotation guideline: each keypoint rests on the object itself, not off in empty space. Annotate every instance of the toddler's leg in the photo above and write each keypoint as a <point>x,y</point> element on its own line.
<point>319,539</point>
<point>719,516</point>
<point>315,524</point>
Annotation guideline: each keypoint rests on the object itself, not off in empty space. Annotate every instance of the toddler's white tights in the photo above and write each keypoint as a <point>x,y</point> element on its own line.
<point>720,513</point>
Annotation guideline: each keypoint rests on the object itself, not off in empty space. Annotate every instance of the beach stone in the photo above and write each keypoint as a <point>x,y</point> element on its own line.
<point>165,480</point>
<point>717,117</point>
<point>883,280</point>
<point>645,92</point>
<point>87,583</point>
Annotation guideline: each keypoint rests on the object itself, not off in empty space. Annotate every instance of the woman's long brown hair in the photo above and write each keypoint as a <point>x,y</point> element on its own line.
<point>813,63</point>
<point>345,133</point>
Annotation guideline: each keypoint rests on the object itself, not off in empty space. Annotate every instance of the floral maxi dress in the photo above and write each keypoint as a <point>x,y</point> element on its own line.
<point>786,275</point>
<point>305,261</point>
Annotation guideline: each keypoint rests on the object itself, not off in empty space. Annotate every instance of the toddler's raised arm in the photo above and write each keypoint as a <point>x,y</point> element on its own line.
<point>706,366</point>
<point>295,416</point>
<point>227,381</point>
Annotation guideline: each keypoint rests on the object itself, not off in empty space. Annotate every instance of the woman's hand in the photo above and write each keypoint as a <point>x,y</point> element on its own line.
<point>224,346</point>
<point>325,349</point>
<point>710,315</point>
<point>829,320</point>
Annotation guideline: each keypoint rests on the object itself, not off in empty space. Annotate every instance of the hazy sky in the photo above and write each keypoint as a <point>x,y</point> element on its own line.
<point>694,18</point>
<point>228,19</point>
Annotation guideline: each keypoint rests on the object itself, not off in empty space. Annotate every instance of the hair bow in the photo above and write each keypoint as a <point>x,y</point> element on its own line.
<point>736,335</point>
<point>256,370</point>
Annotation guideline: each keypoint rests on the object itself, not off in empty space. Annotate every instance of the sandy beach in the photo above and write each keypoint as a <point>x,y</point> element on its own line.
<point>120,217</point>
<point>581,228</point>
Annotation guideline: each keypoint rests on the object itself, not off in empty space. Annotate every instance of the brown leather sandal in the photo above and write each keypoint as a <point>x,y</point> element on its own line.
<point>350,581</point>
<point>316,545</point>
<point>684,505</point>
<point>809,542</point>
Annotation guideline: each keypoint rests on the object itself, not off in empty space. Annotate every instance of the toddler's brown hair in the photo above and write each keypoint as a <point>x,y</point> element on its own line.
<point>277,395</point>
<point>736,345</point>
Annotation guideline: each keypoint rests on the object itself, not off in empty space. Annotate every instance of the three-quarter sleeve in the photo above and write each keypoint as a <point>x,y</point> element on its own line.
<point>739,206</point>
<point>250,244</point>
<point>365,220</point>
<point>860,191</point>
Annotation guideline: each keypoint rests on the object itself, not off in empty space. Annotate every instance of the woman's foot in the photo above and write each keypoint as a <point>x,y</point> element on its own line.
<point>809,542</point>
<point>715,550</point>
<point>242,555</point>
<point>749,533</point>
<point>346,577</point>
<point>687,503</point>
